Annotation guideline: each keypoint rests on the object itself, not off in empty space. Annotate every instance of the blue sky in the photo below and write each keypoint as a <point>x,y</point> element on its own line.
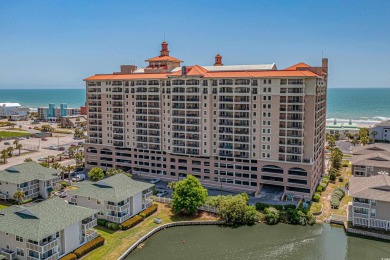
<point>55,44</point>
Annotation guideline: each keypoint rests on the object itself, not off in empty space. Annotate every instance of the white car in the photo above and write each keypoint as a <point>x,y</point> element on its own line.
<point>53,147</point>
<point>42,159</point>
<point>79,177</point>
<point>155,180</point>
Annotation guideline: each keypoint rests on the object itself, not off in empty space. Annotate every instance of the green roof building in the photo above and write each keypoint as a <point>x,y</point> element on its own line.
<point>117,197</point>
<point>45,230</point>
<point>31,178</point>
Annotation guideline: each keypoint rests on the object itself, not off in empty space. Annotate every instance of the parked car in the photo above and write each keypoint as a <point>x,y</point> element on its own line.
<point>79,177</point>
<point>73,145</point>
<point>62,194</point>
<point>80,143</point>
<point>61,148</point>
<point>42,159</point>
<point>44,139</point>
<point>52,147</point>
<point>29,127</point>
<point>19,138</point>
<point>162,193</point>
<point>155,180</point>
<point>7,143</point>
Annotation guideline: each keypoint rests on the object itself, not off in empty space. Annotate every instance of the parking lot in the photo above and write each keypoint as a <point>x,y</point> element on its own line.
<point>35,148</point>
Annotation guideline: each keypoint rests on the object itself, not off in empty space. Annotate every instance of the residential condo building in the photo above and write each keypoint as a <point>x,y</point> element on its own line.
<point>53,113</point>
<point>370,206</point>
<point>117,198</point>
<point>31,178</point>
<point>370,160</point>
<point>244,127</point>
<point>46,230</point>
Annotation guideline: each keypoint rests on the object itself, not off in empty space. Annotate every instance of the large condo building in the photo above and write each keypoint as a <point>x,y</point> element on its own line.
<point>246,127</point>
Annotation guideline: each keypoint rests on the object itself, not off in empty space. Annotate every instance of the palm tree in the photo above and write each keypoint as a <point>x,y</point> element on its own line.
<point>71,151</point>
<point>68,169</point>
<point>16,142</point>
<point>56,165</point>
<point>4,155</point>
<point>171,185</point>
<point>10,150</point>
<point>19,196</point>
<point>79,158</point>
<point>348,135</point>
<point>374,133</point>
<point>354,141</point>
<point>19,147</point>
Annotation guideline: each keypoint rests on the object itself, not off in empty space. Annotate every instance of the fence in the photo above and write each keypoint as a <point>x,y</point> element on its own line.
<point>169,201</point>
<point>174,224</point>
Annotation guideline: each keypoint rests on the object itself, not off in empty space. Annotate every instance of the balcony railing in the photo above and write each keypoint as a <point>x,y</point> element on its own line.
<point>118,208</point>
<point>43,247</point>
<point>88,223</point>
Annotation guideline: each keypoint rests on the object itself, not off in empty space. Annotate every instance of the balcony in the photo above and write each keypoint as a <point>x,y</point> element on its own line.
<point>54,256</point>
<point>89,235</point>
<point>88,223</point>
<point>118,208</point>
<point>118,219</point>
<point>9,254</point>
<point>42,247</point>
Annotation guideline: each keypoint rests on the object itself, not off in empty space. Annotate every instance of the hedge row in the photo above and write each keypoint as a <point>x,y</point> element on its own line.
<point>262,206</point>
<point>88,247</point>
<point>149,211</point>
<point>131,222</point>
<point>108,224</point>
<point>336,196</point>
<point>70,256</point>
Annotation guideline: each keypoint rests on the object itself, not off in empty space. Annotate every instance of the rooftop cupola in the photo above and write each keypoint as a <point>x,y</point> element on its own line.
<point>218,60</point>
<point>164,49</point>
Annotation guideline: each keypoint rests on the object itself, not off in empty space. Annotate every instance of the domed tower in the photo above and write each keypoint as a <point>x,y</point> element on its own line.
<point>164,49</point>
<point>218,60</point>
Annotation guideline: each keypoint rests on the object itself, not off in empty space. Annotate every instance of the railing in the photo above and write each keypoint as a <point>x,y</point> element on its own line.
<point>90,224</point>
<point>118,219</point>
<point>92,235</point>
<point>42,248</point>
<point>118,208</point>
<point>9,254</point>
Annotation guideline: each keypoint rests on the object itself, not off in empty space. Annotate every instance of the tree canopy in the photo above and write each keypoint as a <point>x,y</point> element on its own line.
<point>96,174</point>
<point>189,194</point>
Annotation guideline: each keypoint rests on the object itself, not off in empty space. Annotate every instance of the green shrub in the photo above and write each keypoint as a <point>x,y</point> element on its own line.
<point>335,202</point>
<point>131,222</point>
<point>88,247</point>
<point>109,225</point>
<point>149,211</point>
<point>316,197</point>
<point>325,178</point>
<point>289,206</point>
<point>319,188</point>
<point>341,179</point>
<point>261,206</point>
<point>323,185</point>
<point>272,215</point>
<point>102,222</point>
<point>64,184</point>
<point>70,256</point>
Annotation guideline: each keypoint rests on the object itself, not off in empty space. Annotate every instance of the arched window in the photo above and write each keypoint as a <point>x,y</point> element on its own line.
<point>140,82</point>
<point>272,169</point>
<point>297,172</point>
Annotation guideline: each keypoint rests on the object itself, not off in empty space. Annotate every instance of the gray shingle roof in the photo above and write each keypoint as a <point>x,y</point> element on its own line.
<point>28,171</point>
<point>374,187</point>
<point>115,188</point>
<point>376,159</point>
<point>42,219</point>
<point>372,148</point>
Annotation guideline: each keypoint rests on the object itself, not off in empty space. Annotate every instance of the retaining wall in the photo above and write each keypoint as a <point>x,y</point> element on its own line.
<point>157,229</point>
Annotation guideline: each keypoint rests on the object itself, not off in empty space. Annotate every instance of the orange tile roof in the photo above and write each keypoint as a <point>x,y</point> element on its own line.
<point>199,71</point>
<point>164,58</point>
<point>298,65</point>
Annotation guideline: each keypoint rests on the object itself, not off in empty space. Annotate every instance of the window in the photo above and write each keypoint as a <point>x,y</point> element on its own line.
<point>373,212</point>
<point>20,251</point>
<point>19,239</point>
<point>360,210</point>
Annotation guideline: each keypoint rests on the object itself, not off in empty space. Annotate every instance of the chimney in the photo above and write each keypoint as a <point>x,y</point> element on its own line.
<point>218,60</point>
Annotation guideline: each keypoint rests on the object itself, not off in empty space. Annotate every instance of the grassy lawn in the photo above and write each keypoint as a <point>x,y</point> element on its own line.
<point>315,207</point>
<point>118,242</point>
<point>6,134</point>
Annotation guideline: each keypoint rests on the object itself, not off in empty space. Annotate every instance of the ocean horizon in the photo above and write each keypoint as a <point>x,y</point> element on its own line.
<point>361,105</point>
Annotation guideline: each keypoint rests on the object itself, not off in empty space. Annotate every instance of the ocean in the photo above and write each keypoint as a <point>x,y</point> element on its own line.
<point>362,106</point>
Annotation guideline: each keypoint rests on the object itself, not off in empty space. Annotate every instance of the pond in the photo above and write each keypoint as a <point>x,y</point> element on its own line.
<point>259,242</point>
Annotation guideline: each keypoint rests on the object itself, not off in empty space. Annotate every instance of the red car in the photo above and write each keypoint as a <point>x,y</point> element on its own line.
<point>44,139</point>
<point>73,145</point>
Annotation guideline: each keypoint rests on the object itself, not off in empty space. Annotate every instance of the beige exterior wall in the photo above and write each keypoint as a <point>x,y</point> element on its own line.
<point>366,171</point>
<point>370,213</point>
<point>272,124</point>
